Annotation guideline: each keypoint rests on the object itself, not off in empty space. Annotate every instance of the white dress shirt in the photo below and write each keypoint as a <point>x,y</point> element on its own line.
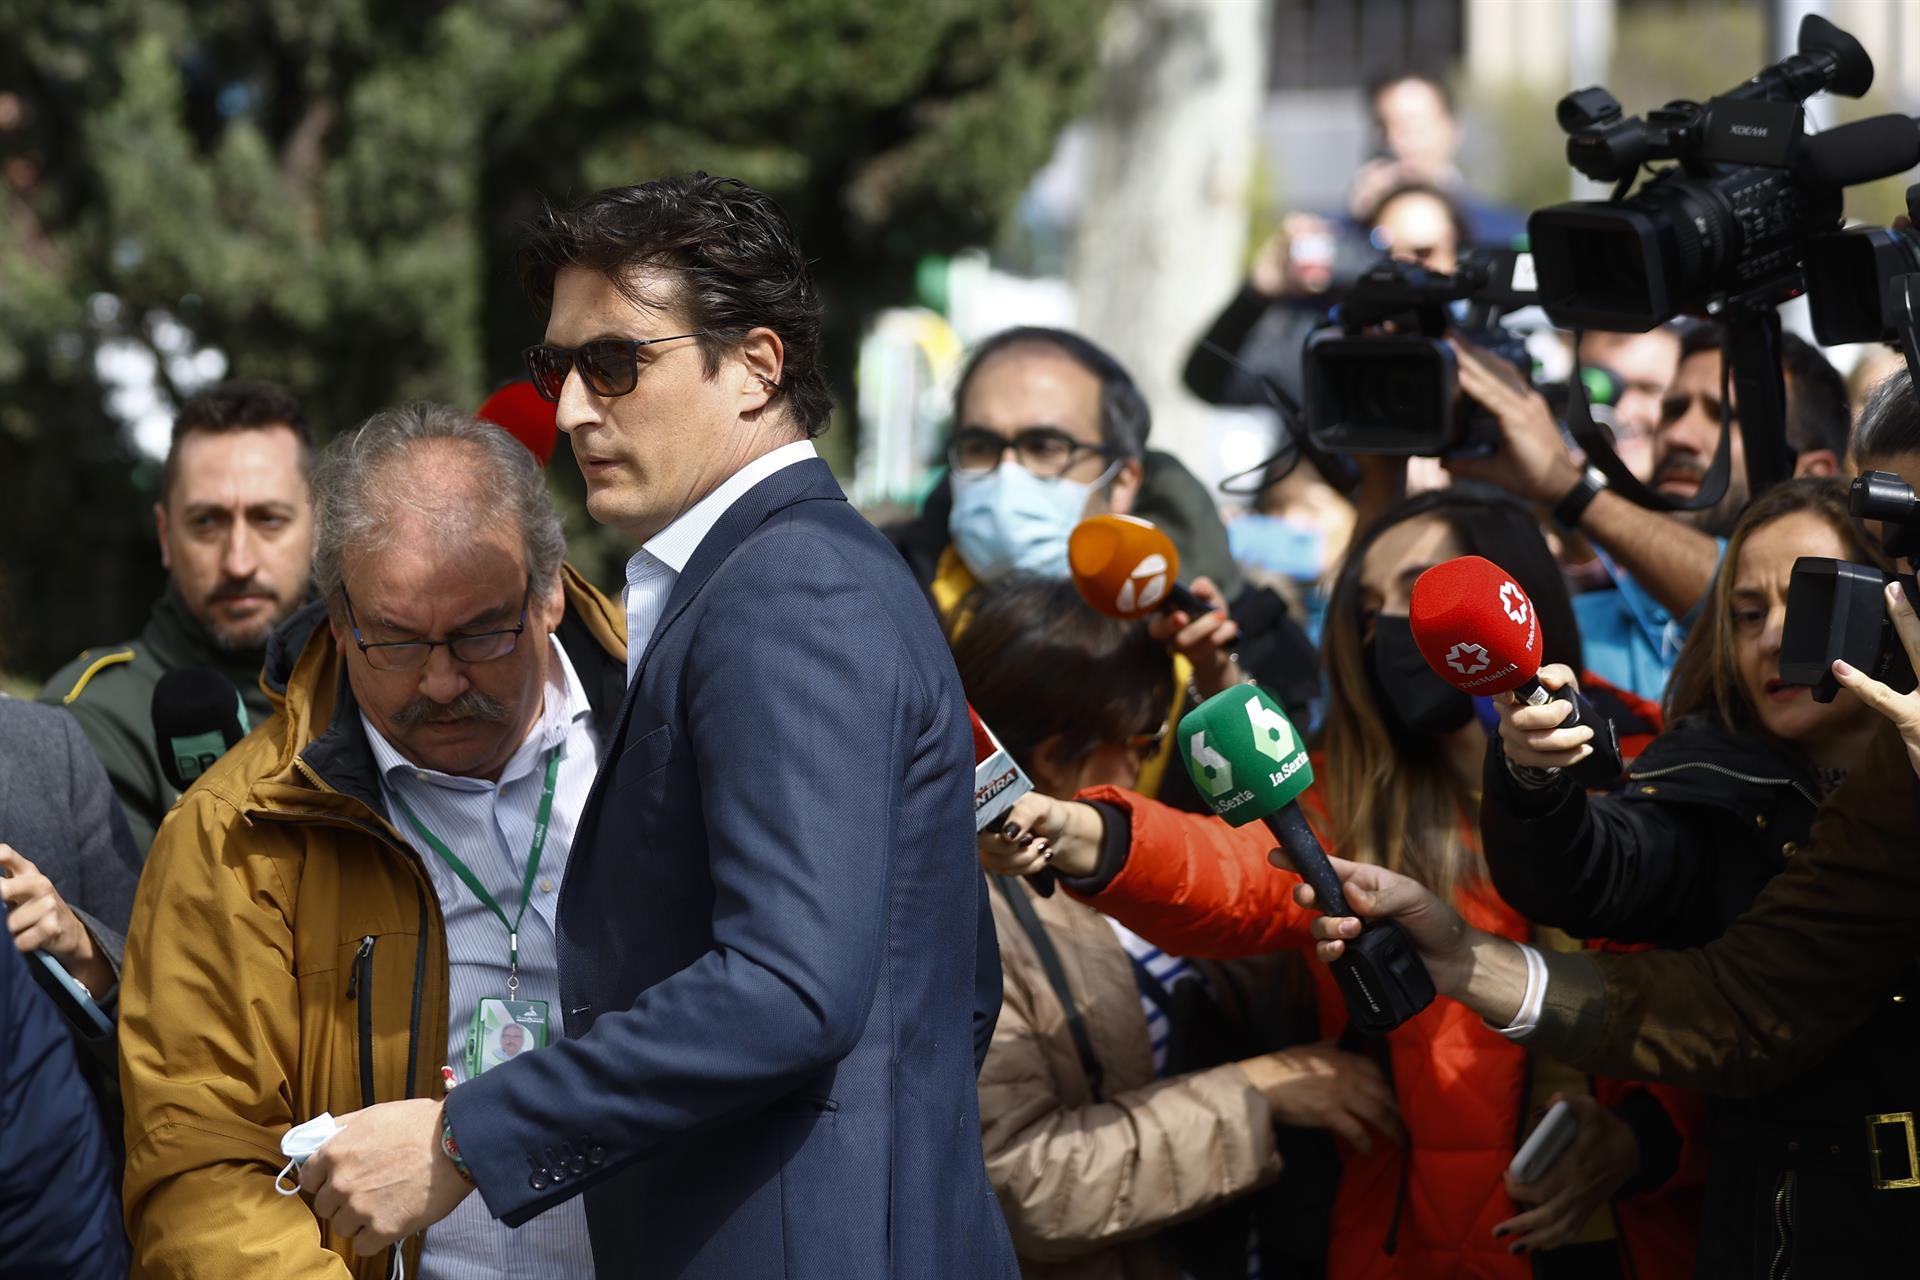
<point>489,826</point>
<point>657,565</point>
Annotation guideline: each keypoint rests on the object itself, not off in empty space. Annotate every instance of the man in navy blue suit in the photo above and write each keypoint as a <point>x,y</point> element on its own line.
<point>777,969</point>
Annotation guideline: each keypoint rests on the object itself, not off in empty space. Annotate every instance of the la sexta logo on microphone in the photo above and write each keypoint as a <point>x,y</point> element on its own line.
<point>1513,603</point>
<point>1144,586</point>
<point>1213,772</point>
<point>1469,659</point>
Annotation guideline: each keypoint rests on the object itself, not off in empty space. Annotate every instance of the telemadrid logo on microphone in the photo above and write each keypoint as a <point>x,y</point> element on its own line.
<point>1467,659</point>
<point>1513,603</point>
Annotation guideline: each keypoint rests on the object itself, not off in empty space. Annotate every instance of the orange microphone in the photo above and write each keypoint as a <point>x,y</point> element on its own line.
<point>1127,569</point>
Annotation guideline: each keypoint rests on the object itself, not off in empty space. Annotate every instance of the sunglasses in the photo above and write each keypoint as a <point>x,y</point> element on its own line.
<point>609,366</point>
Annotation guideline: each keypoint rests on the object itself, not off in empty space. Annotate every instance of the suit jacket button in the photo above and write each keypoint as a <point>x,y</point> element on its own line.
<point>598,1155</point>
<point>538,1181</point>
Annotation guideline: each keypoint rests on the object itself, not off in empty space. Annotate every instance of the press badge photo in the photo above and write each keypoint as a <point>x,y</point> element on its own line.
<point>503,1030</point>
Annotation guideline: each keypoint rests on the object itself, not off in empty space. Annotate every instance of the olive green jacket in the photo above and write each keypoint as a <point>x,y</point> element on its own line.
<point>1808,962</point>
<point>109,690</point>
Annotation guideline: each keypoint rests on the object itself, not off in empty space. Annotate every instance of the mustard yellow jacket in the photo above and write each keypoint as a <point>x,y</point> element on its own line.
<point>287,956</point>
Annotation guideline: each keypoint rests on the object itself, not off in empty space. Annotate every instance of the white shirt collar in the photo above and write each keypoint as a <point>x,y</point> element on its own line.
<point>565,701</point>
<point>674,545</point>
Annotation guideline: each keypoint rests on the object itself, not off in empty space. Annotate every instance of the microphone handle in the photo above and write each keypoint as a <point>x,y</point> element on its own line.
<point>1179,598</point>
<point>1380,975</point>
<point>1289,827</point>
<point>1600,770</point>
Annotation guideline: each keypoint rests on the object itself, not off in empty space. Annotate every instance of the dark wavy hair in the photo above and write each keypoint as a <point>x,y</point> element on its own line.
<point>732,253</point>
<point>1706,676</point>
<point>1037,663</point>
<point>1391,799</point>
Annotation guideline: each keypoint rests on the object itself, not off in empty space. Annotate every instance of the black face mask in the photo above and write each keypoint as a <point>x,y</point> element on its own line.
<point>1411,697</point>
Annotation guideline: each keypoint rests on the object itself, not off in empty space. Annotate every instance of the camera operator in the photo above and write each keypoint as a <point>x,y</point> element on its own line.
<point>1417,138</point>
<point>1771,996</point>
<point>1661,564</point>
<point>1715,807</point>
<point>1297,272</point>
<point>1643,364</point>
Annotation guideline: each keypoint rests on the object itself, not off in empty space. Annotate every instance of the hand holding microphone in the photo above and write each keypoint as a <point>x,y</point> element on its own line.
<point>1480,633</point>
<point>1249,764</point>
<point>1127,569</point>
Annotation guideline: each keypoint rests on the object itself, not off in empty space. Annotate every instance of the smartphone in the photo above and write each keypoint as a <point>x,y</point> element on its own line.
<point>1546,1144</point>
<point>75,1004</point>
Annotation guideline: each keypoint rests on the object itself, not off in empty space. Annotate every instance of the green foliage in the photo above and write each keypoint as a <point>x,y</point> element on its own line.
<point>330,191</point>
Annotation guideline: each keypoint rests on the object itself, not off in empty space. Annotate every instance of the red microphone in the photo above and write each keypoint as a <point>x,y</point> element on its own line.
<point>998,781</point>
<point>1480,633</point>
<point>1127,569</point>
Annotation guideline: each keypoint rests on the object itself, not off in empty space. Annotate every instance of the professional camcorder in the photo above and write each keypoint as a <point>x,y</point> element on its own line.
<point>1398,392</point>
<point>1731,221</point>
<point>1747,217</point>
<point>1837,609</point>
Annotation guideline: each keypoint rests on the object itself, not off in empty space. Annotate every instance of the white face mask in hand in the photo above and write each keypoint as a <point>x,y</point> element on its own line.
<point>298,1145</point>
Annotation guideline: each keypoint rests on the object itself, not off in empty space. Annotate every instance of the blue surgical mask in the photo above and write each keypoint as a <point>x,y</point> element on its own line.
<point>1010,520</point>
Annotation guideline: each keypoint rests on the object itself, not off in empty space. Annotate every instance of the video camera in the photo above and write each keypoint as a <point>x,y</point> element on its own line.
<point>1837,609</point>
<point>1748,217</point>
<point>1398,393</point>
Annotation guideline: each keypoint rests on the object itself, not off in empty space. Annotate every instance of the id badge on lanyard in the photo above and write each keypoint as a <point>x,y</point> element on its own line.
<point>502,1027</point>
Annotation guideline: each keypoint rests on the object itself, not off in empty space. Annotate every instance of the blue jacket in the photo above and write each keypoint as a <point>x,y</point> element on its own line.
<point>59,1216</point>
<point>776,955</point>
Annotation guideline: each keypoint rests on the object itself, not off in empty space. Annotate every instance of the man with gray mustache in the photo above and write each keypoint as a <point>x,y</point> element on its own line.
<point>361,895</point>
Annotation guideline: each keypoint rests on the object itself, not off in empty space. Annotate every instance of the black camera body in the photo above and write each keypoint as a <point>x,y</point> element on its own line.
<point>1857,287</point>
<point>1398,393</point>
<point>1733,220</point>
<point>1837,609</point>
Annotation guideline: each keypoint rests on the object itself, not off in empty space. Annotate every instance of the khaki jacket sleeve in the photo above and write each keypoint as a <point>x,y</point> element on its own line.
<point>1827,939</point>
<point>1075,1179</point>
<point>209,1038</point>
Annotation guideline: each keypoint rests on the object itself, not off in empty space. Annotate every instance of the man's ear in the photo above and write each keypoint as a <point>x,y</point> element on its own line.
<point>160,528</point>
<point>551,607</point>
<point>1124,491</point>
<point>763,357</point>
<point>1817,462</point>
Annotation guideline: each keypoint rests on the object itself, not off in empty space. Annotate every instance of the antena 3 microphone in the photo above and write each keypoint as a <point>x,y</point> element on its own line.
<point>1127,569</point>
<point>1251,766</point>
<point>1479,632</point>
<point>196,717</point>
<point>998,781</point>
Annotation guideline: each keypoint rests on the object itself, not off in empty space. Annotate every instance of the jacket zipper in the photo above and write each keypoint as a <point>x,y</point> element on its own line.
<point>360,988</point>
<point>1782,1267</point>
<point>1721,769</point>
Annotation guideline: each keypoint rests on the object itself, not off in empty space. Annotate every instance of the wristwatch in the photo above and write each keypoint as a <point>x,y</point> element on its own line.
<point>1567,511</point>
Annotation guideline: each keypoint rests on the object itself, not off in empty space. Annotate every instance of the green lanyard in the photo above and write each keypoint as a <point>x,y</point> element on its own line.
<point>472,882</point>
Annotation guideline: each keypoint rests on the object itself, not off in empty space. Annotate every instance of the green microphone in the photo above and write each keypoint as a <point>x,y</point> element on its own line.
<point>1250,764</point>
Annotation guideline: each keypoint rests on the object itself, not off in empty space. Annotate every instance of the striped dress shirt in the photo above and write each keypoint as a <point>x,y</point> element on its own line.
<point>489,826</point>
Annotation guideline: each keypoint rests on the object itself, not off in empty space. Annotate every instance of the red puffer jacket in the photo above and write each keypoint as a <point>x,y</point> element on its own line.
<point>1197,887</point>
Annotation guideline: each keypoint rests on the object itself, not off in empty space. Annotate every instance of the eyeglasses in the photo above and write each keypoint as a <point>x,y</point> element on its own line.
<point>1046,451</point>
<point>407,655</point>
<point>609,366</point>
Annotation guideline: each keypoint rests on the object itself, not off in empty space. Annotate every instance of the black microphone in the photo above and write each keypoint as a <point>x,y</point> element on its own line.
<point>1861,152</point>
<point>196,717</point>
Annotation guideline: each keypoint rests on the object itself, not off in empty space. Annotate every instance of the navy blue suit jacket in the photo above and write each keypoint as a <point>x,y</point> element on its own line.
<point>776,957</point>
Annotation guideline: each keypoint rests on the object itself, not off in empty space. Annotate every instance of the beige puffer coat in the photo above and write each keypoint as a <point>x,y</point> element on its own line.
<point>1085,1184</point>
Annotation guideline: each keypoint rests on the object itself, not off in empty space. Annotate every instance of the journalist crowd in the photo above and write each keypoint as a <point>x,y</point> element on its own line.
<point>393,860</point>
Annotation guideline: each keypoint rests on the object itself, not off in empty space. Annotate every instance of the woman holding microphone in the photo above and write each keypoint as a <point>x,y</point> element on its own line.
<point>1713,809</point>
<point>1399,771</point>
